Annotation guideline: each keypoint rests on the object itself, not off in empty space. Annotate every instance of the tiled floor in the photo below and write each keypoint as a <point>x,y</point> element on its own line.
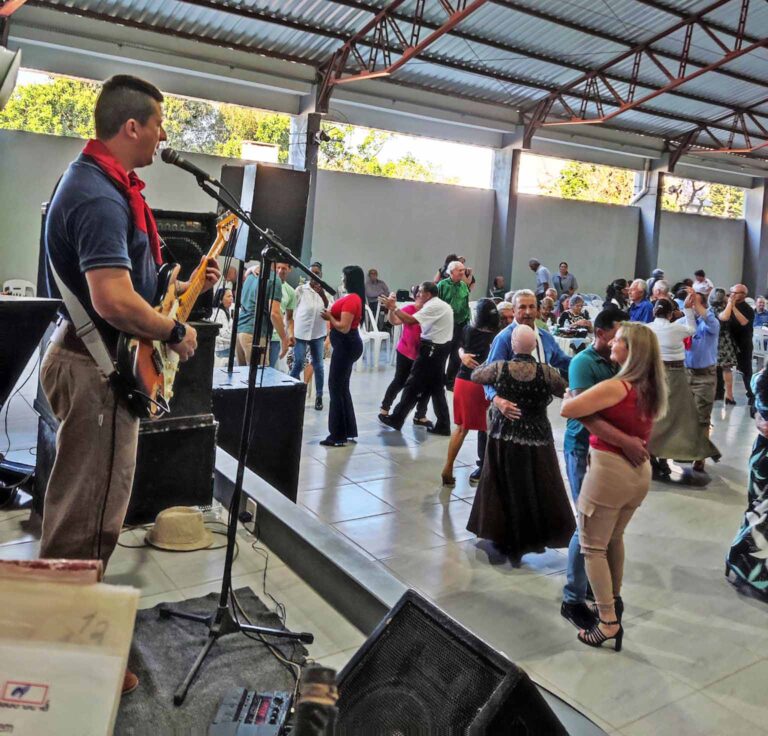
<point>695,657</point>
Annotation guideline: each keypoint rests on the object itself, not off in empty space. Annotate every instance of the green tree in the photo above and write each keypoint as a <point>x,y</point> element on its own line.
<point>592,183</point>
<point>245,124</point>
<point>726,201</point>
<point>64,107</point>
<point>193,125</point>
<point>341,153</point>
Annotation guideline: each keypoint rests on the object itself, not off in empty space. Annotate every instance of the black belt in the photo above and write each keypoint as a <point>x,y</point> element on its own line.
<point>674,363</point>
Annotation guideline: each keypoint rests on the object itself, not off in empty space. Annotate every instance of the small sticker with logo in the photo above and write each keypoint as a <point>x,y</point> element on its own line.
<point>24,693</point>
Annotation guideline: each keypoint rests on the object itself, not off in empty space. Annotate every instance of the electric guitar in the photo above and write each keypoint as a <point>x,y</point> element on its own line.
<point>148,368</point>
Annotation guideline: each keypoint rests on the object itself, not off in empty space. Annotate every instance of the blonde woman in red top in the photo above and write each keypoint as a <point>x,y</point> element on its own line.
<point>613,488</point>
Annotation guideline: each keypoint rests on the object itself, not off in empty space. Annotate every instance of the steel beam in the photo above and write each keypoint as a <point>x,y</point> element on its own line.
<point>9,7</point>
<point>592,83</point>
<point>298,25</point>
<point>378,62</point>
<point>261,15</point>
<point>535,12</point>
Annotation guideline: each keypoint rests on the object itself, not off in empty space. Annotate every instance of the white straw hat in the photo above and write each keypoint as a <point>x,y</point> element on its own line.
<point>179,529</point>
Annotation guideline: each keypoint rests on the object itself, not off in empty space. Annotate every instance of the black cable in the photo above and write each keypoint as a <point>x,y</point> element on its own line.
<point>13,487</point>
<point>109,476</point>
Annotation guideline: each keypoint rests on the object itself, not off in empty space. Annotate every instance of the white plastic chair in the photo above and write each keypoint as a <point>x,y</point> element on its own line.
<point>19,287</point>
<point>365,336</point>
<point>376,336</point>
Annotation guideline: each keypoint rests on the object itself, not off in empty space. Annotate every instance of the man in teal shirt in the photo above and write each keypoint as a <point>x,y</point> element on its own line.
<point>588,368</point>
<point>271,318</point>
<point>454,290</point>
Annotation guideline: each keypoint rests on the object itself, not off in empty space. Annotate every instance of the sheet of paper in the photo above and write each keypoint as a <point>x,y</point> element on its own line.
<point>63,652</point>
<point>62,689</point>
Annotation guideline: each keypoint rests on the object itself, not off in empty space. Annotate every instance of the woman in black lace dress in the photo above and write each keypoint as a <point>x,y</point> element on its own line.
<point>521,504</point>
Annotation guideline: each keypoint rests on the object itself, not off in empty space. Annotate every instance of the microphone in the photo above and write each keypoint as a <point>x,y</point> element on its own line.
<point>170,156</point>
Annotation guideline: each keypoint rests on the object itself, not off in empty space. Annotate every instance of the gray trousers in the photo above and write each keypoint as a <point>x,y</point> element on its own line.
<point>90,484</point>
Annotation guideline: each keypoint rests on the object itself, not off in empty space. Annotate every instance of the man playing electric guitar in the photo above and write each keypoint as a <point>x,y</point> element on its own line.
<point>102,240</point>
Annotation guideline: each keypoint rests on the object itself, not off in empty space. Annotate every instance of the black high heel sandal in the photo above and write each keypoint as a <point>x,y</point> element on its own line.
<point>595,637</point>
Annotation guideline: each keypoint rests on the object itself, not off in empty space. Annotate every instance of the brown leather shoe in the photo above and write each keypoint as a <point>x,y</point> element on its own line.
<point>130,682</point>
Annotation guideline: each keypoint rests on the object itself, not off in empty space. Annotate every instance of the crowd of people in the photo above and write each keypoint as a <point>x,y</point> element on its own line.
<point>638,389</point>
<point>655,359</point>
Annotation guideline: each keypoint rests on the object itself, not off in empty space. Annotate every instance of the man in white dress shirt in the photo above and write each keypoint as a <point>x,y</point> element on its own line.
<point>428,371</point>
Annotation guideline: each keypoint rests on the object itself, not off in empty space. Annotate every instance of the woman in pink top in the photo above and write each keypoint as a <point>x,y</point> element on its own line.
<point>613,488</point>
<point>407,352</point>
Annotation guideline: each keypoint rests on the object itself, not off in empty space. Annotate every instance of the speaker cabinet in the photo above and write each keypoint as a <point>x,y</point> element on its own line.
<point>276,197</point>
<point>421,672</point>
<point>188,236</point>
<point>274,447</point>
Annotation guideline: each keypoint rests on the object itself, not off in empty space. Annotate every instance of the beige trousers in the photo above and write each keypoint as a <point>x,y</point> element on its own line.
<point>244,346</point>
<point>612,491</point>
<point>90,484</point>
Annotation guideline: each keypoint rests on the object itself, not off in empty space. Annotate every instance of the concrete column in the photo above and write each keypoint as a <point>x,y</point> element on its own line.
<point>506,165</point>
<point>303,154</point>
<point>647,256</point>
<point>755,268</point>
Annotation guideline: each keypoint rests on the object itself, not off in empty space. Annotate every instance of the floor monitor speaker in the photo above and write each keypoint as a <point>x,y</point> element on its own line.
<point>422,672</point>
<point>276,198</point>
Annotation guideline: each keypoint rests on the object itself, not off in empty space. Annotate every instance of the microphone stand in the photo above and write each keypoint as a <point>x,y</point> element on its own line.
<point>222,621</point>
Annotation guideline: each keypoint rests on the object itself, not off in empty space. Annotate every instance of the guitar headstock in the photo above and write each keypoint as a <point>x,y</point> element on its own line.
<point>225,225</point>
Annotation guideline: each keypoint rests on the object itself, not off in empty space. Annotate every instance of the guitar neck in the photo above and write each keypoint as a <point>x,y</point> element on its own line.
<point>197,283</point>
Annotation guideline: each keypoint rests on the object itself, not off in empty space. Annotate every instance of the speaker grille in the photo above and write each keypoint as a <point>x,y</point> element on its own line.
<point>418,678</point>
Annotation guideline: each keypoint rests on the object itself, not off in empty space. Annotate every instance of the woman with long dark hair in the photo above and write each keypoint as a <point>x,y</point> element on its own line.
<point>469,402</point>
<point>613,488</point>
<point>344,317</point>
<point>617,294</point>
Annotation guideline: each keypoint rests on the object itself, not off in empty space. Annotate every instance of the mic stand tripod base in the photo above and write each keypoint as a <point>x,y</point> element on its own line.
<point>219,624</point>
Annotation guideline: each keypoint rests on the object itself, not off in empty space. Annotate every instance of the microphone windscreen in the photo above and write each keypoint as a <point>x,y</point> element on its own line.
<point>169,155</point>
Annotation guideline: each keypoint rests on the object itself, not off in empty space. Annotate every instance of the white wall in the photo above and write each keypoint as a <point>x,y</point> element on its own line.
<point>404,229</point>
<point>598,241</point>
<point>30,166</point>
<point>690,242</point>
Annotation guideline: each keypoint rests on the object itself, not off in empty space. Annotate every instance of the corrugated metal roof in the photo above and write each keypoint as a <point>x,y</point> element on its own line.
<point>510,52</point>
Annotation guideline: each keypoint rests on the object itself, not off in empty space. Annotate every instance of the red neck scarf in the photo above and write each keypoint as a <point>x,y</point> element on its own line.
<point>130,186</point>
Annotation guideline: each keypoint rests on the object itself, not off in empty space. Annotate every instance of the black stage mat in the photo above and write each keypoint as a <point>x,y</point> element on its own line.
<point>163,651</point>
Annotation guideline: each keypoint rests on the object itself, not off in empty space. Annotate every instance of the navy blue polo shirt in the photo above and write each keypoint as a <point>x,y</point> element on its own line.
<point>90,225</point>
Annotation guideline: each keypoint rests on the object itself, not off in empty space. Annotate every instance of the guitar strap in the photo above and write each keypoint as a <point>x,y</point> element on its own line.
<point>85,329</point>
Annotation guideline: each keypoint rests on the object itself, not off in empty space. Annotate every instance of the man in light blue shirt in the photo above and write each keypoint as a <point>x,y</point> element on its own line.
<point>701,364</point>
<point>543,277</point>
<point>547,350</point>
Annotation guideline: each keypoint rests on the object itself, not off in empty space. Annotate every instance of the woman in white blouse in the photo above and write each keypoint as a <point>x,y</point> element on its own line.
<point>677,434</point>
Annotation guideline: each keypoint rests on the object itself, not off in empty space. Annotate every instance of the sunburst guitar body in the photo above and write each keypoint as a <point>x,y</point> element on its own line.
<point>149,367</point>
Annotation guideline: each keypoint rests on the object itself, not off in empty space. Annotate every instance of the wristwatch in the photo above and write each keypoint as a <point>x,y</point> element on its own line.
<point>178,333</point>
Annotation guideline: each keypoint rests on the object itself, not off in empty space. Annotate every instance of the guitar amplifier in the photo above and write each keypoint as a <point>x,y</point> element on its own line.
<point>187,237</point>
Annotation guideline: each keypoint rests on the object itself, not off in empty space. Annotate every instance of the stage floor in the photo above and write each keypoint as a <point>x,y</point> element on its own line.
<point>695,655</point>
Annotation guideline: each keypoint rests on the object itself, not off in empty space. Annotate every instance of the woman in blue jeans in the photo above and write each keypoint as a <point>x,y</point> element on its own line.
<point>344,318</point>
<point>310,332</point>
